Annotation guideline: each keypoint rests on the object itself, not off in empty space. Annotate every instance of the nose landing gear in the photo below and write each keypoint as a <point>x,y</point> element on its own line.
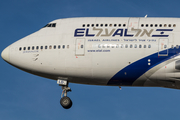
<point>65,101</point>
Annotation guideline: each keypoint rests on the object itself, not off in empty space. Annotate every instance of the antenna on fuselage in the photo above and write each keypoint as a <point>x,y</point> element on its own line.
<point>145,16</point>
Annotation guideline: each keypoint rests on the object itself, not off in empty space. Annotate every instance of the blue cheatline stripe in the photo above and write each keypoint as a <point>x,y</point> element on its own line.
<point>164,30</point>
<point>129,74</point>
<point>160,35</point>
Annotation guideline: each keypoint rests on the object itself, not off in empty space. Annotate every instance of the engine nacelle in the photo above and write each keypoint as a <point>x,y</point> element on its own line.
<point>167,74</point>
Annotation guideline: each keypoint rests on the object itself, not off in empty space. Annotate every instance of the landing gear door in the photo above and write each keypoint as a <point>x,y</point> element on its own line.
<point>80,47</point>
<point>163,47</point>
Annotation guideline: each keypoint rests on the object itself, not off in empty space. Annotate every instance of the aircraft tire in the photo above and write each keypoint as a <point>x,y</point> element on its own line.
<point>66,102</point>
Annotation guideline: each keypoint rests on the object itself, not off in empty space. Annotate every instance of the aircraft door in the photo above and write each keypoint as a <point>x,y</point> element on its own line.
<point>133,23</point>
<point>163,47</point>
<point>80,47</point>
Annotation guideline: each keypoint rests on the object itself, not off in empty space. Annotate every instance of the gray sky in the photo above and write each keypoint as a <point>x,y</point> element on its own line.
<point>27,97</point>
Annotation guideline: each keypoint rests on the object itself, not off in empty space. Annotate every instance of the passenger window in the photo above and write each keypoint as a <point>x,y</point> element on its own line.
<point>135,46</point>
<point>103,46</point>
<point>99,46</point>
<point>115,25</point>
<point>28,48</point>
<point>20,49</point>
<point>172,47</point>
<point>101,25</point>
<point>149,46</point>
<point>54,46</point>
<point>67,46</point>
<point>110,25</point>
<point>97,25</point>
<point>177,46</point>
<point>59,46</point>
<point>87,25</point>
<point>117,46</point>
<point>41,47</point>
<point>165,25</point>
<point>155,25</point>
<point>45,47</point>
<point>142,25</point>
<point>37,47</point>
<point>140,46</point>
<point>24,48</point>
<point>131,46</point>
<point>83,25</point>
<point>112,46</point>
<point>160,25</point>
<point>151,25</point>
<point>108,46</point>
<point>146,25</point>
<point>32,47</point>
<point>165,46</point>
<point>126,46</point>
<point>82,46</point>
<point>124,25</point>
<point>174,25</point>
<point>63,46</point>
<point>169,25</point>
<point>144,46</point>
<point>119,25</point>
<point>50,47</point>
<point>106,25</point>
<point>92,25</point>
<point>121,45</point>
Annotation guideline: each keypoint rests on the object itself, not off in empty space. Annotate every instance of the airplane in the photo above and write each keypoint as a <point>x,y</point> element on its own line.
<point>108,51</point>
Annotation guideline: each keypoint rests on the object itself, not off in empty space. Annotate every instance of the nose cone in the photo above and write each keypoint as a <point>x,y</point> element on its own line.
<point>5,54</point>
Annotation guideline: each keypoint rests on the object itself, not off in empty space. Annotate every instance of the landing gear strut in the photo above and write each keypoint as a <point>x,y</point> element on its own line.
<point>65,101</point>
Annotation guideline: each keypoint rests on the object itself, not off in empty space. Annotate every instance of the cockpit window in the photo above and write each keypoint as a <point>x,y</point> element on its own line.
<point>54,25</point>
<point>50,25</point>
<point>45,25</point>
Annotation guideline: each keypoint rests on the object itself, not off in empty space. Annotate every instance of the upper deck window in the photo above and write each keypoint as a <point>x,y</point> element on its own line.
<point>63,47</point>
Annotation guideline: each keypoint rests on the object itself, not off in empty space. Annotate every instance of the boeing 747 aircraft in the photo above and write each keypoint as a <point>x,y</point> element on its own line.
<point>102,51</point>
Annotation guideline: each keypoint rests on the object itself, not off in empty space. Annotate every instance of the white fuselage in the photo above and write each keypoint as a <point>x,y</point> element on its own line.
<point>103,51</point>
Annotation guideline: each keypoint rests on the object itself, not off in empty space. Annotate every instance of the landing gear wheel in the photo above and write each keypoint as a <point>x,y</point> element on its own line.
<point>66,102</point>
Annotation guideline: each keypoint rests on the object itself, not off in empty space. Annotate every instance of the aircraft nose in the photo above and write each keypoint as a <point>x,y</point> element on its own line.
<point>5,54</point>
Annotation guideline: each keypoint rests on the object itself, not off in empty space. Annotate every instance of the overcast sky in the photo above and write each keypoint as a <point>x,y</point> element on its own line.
<point>27,97</point>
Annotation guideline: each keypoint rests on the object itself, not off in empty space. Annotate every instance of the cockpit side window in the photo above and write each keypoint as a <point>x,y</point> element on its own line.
<point>46,25</point>
<point>54,25</point>
<point>50,25</point>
